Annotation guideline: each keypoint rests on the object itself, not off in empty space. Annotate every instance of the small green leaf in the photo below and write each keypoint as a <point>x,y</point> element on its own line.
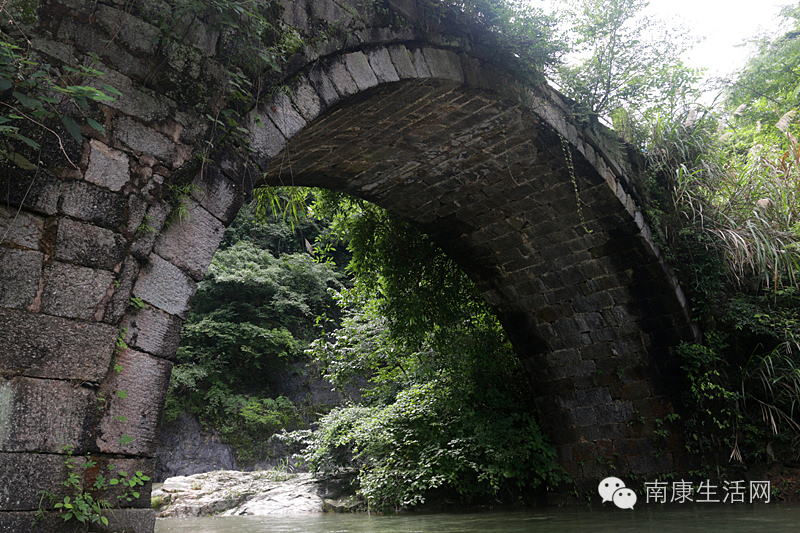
<point>33,103</point>
<point>122,394</point>
<point>111,89</point>
<point>20,161</point>
<point>5,84</point>
<point>96,125</point>
<point>72,127</point>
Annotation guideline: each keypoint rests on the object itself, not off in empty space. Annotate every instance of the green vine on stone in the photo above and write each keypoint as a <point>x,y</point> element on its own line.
<point>574,178</point>
<point>78,504</point>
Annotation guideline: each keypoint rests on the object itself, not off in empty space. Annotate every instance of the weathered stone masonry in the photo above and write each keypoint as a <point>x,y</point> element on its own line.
<point>424,125</point>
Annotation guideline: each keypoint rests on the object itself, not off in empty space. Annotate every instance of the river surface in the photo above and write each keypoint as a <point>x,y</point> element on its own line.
<point>723,518</point>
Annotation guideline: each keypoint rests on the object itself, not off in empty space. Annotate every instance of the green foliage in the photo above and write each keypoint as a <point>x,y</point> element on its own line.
<point>623,65</point>
<point>32,96</point>
<point>726,213</point>
<point>253,314</point>
<point>763,97</point>
<point>84,505</point>
<point>521,36</point>
<point>447,407</point>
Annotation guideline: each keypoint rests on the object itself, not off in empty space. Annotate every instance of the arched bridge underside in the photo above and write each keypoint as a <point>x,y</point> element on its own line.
<point>538,209</point>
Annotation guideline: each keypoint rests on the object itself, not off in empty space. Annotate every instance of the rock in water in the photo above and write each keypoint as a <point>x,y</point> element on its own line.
<point>231,493</point>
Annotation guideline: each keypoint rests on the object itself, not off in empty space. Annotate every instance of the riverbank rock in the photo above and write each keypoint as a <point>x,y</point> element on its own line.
<point>232,493</point>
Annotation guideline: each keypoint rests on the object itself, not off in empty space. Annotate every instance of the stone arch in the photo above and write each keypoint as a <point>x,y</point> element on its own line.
<point>539,210</point>
<point>424,125</point>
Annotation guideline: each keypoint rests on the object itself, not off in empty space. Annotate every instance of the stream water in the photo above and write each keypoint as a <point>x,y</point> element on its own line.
<point>727,518</point>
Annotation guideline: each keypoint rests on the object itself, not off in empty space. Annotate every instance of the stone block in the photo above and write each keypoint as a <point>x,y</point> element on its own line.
<point>358,66</point>
<point>266,140</point>
<point>88,245</point>
<point>150,142</point>
<point>130,521</point>
<point>111,466</point>
<point>119,520</point>
<point>73,291</point>
<point>91,203</point>
<point>120,299</point>
<point>25,475</point>
<point>133,31</point>
<point>51,347</point>
<point>323,85</point>
<point>284,116</point>
<point>330,12</point>
<point>134,398</point>
<point>402,61</point>
<point>190,245</point>
<point>443,64</point>
<point>585,398</point>
<point>44,415</point>
<point>306,99</point>
<point>216,193</point>
<point>63,52</point>
<point>107,167</point>
<point>295,15</point>
<point>21,228</point>
<point>148,231</point>
<point>35,192</point>
<point>134,102</point>
<point>20,271</point>
<point>341,78</point>
<point>382,65</point>
<point>194,32</point>
<point>153,331</point>
<point>29,522</point>
<point>164,285</point>
<point>420,65</point>
<point>650,464</point>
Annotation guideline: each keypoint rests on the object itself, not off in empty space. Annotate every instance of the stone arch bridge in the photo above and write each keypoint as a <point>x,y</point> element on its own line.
<point>537,207</point>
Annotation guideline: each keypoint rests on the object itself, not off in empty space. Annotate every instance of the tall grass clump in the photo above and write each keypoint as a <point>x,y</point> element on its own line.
<point>727,215</point>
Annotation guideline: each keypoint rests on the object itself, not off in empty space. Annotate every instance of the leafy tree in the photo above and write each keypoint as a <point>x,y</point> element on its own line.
<point>763,98</point>
<point>447,406</point>
<point>623,62</point>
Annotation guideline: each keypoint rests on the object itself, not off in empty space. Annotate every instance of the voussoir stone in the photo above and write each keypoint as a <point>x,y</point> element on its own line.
<point>165,286</point>
<point>153,331</point>
<point>134,397</point>
<point>191,243</point>
<point>219,195</point>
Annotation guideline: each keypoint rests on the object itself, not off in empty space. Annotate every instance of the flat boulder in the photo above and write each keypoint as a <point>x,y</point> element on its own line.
<point>232,493</point>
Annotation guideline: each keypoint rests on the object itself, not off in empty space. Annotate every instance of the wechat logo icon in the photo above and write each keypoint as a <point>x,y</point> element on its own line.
<point>613,489</point>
